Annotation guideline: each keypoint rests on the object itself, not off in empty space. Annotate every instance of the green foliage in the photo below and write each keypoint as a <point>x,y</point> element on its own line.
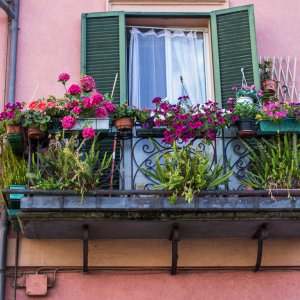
<point>125,111</point>
<point>265,70</point>
<point>36,118</point>
<point>13,168</point>
<point>65,166</point>
<point>274,163</point>
<point>245,110</point>
<point>186,171</point>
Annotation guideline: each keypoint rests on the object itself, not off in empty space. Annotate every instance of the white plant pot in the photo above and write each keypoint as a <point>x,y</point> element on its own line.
<point>245,99</point>
<point>95,123</point>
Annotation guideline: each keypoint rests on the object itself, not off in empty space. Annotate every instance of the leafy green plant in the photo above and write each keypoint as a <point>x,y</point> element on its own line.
<point>65,166</point>
<point>245,110</point>
<point>274,163</point>
<point>125,111</point>
<point>13,168</point>
<point>265,69</point>
<point>186,171</point>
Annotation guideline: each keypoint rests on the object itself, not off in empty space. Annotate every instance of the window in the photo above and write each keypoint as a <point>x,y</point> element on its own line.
<point>232,43</point>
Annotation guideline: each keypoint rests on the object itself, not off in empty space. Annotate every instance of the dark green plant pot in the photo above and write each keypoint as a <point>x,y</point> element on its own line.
<point>288,125</point>
<point>16,142</point>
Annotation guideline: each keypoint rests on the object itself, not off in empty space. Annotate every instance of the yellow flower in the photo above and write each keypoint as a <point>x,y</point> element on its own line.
<point>258,117</point>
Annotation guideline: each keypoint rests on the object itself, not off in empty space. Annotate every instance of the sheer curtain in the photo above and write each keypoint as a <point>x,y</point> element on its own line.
<point>166,64</point>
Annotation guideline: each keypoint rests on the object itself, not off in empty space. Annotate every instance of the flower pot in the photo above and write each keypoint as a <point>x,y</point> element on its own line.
<point>95,123</point>
<point>35,133</point>
<point>245,127</point>
<point>123,124</point>
<point>13,129</point>
<point>245,99</point>
<point>270,85</point>
<point>288,125</point>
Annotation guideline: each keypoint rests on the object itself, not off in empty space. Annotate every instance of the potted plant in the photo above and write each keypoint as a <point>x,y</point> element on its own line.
<point>85,106</point>
<point>245,113</point>
<point>41,115</point>
<point>267,83</point>
<point>279,117</point>
<point>183,121</point>
<point>274,163</point>
<point>124,116</point>
<point>11,118</point>
<point>64,165</point>
<point>247,93</point>
<point>186,171</point>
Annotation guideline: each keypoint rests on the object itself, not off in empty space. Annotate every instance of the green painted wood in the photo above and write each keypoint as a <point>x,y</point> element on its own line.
<point>234,47</point>
<point>103,56</point>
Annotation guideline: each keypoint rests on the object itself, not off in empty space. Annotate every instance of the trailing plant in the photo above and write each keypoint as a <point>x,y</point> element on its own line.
<point>13,168</point>
<point>274,163</point>
<point>243,110</point>
<point>247,91</point>
<point>12,114</point>
<point>186,171</point>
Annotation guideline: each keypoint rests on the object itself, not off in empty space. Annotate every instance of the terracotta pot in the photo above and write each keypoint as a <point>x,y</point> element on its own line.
<point>270,85</point>
<point>123,124</point>
<point>13,129</point>
<point>35,133</point>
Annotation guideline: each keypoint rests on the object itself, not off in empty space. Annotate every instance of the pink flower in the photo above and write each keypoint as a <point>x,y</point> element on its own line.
<point>63,77</point>
<point>234,118</point>
<point>74,89</point>
<point>260,93</point>
<point>42,106</point>
<point>87,103</point>
<point>87,83</point>
<point>77,110</point>
<point>234,89</point>
<point>156,100</point>
<point>97,99</point>
<point>88,133</point>
<point>253,87</point>
<point>101,112</point>
<point>51,104</point>
<point>68,122</point>
<point>110,107</point>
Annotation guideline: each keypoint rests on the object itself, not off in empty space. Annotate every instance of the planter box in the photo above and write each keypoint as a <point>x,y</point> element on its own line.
<point>97,124</point>
<point>288,125</point>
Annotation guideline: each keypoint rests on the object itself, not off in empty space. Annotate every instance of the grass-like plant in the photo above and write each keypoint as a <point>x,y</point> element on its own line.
<point>65,166</point>
<point>185,171</point>
<point>274,163</point>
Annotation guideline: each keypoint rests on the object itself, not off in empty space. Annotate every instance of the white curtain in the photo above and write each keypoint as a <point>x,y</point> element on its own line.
<point>166,64</point>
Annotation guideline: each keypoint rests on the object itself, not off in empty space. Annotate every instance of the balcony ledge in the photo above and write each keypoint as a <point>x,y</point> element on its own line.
<point>149,215</point>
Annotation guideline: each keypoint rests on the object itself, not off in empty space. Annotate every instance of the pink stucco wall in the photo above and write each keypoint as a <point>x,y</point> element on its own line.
<point>208,286</point>
<point>49,39</point>
<point>277,26</point>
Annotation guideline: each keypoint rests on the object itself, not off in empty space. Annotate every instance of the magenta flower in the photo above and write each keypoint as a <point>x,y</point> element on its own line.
<point>68,122</point>
<point>234,118</point>
<point>253,87</point>
<point>260,93</point>
<point>156,100</point>
<point>74,89</point>
<point>63,77</point>
<point>87,103</point>
<point>87,83</point>
<point>88,133</point>
<point>110,107</point>
<point>234,89</point>
<point>101,112</point>
<point>77,110</point>
<point>97,99</point>
<point>230,101</point>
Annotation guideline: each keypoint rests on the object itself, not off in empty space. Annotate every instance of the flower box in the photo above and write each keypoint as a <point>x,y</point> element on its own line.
<point>288,125</point>
<point>97,124</point>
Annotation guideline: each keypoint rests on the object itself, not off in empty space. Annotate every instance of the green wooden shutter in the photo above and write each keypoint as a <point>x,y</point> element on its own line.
<point>234,47</point>
<point>103,51</point>
<point>102,56</point>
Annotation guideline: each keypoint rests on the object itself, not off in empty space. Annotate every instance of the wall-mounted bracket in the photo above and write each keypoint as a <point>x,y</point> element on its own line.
<point>85,238</point>
<point>261,234</point>
<point>174,237</point>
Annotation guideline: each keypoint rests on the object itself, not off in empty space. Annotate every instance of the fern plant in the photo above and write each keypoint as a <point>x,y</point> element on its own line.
<point>274,163</point>
<point>186,171</point>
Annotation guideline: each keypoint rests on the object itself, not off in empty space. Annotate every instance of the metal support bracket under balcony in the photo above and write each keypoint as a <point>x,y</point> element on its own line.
<point>261,234</point>
<point>85,238</point>
<point>174,237</point>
